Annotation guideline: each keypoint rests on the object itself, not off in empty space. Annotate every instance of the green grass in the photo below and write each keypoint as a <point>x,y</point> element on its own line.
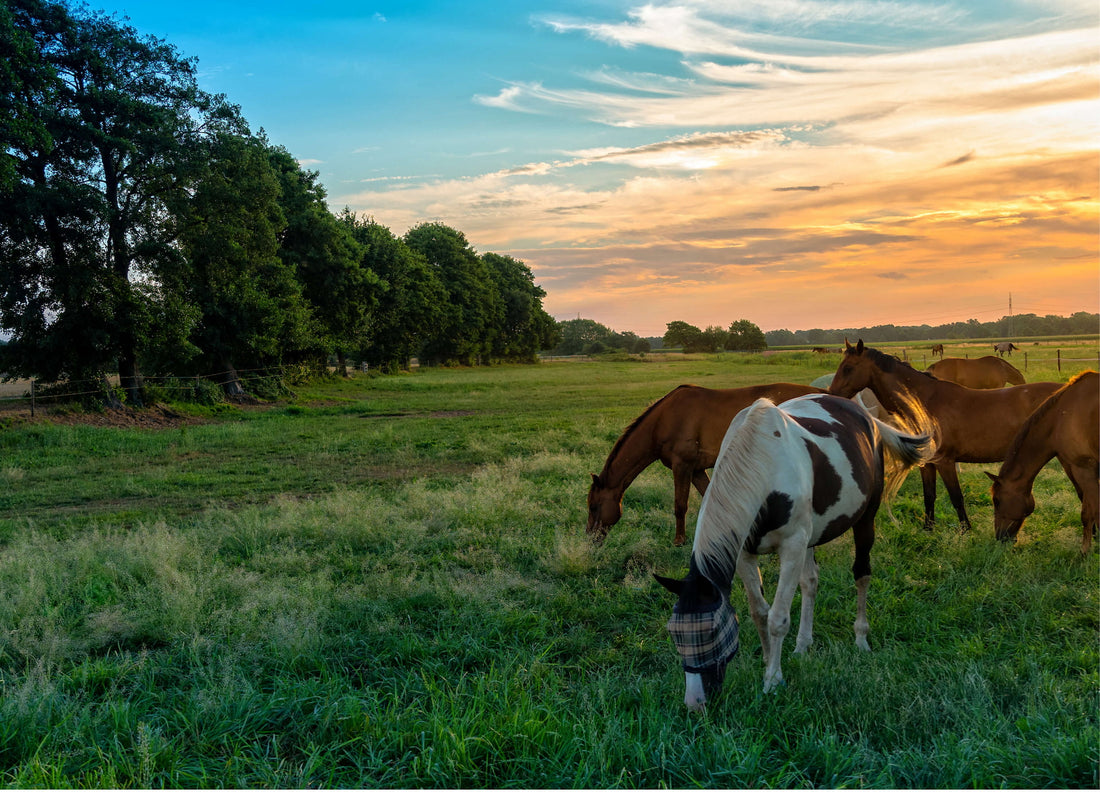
<point>385,582</point>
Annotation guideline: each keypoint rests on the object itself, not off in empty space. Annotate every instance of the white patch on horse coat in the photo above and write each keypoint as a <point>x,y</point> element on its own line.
<point>694,697</point>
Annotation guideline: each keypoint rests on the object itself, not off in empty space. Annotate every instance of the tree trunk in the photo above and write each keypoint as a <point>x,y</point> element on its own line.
<point>231,382</point>
<point>342,363</point>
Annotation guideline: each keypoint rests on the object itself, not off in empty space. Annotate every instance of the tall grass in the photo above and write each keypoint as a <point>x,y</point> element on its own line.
<point>387,583</point>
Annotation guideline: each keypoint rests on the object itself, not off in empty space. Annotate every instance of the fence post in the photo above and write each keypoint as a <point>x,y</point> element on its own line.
<point>32,398</point>
<point>1025,361</point>
<point>1059,361</point>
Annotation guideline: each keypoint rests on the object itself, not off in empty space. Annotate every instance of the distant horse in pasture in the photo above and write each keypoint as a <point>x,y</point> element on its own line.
<point>1005,346</point>
<point>683,429</point>
<point>788,478</point>
<point>1067,426</point>
<point>982,373</point>
<point>971,425</point>
<point>937,349</point>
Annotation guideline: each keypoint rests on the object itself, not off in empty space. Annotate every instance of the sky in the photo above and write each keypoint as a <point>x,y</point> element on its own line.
<point>796,163</point>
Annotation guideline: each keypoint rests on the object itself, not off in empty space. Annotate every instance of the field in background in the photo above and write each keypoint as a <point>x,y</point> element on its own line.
<point>386,582</point>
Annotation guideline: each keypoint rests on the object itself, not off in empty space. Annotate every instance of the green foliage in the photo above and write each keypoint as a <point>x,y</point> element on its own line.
<point>387,584</point>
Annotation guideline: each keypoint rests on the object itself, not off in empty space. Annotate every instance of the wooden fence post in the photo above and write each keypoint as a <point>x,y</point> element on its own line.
<point>32,398</point>
<point>1059,361</point>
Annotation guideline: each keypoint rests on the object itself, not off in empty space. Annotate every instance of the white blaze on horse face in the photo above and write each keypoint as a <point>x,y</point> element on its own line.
<point>694,697</point>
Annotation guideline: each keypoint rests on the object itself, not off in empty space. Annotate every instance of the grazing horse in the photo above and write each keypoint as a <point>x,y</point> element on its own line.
<point>1067,426</point>
<point>1005,346</point>
<point>971,425</point>
<point>937,349</point>
<point>983,373</point>
<point>684,430</point>
<point>788,478</point>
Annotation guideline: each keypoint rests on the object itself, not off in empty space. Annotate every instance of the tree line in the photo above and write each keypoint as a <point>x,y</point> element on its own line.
<point>146,230</point>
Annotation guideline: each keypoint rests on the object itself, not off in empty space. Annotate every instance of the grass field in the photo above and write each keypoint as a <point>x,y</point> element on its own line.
<point>385,582</point>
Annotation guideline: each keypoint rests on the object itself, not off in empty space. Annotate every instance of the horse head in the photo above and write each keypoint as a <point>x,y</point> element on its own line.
<point>1011,506</point>
<point>854,372</point>
<point>704,629</point>
<point>605,507</point>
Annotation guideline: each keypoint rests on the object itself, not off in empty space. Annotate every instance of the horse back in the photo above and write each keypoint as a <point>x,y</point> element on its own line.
<point>691,421</point>
<point>979,425</point>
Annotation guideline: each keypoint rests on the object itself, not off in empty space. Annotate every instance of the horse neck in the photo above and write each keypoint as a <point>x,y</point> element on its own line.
<point>1031,449</point>
<point>885,386</point>
<point>633,453</point>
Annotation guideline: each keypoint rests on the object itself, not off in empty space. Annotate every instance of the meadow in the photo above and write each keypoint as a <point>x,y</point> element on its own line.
<point>385,582</point>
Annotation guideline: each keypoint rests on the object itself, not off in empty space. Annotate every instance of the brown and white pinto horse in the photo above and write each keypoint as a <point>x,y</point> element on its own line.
<point>684,430</point>
<point>983,373</point>
<point>971,425</point>
<point>789,477</point>
<point>1067,426</point>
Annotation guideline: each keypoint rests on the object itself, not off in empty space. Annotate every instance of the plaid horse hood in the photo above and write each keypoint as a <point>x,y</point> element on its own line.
<point>706,640</point>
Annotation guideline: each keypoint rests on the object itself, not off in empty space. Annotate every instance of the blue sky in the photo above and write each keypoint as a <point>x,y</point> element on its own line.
<point>798,164</point>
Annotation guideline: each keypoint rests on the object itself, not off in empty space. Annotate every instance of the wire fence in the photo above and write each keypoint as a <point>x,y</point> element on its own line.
<point>35,393</point>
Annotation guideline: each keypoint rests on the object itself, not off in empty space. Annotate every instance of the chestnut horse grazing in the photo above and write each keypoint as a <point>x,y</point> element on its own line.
<point>788,478</point>
<point>684,430</point>
<point>937,349</point>
<point>971,425</point>
<point>982,373</point>
<point>1067,426</point>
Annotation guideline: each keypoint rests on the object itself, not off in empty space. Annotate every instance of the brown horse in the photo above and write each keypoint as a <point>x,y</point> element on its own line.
<point>1067,426</point>
<point>982,373</point>
<point>972,425</point>
<point>683,429</point>
<point>937,349</point>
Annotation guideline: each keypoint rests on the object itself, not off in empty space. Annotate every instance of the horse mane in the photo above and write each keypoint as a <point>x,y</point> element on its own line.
<point>740,482</point>
<point>891,364</point>
<point>615,449</point>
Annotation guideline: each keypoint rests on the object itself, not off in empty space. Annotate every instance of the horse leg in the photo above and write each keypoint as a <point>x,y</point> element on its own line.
<point>792,556</point>
<point>753,581</point>
<point>928,484</point>
<point>808,584</point>
<point>681,479</point>
<point>1084,481</point>
<point>949,472</point>
<point>863,535</point>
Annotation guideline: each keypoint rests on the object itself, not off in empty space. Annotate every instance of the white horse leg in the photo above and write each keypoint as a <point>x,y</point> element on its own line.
<point>808,584</point>
<point>862,625</point>
<point>753,581</point>
<point>791,561</point>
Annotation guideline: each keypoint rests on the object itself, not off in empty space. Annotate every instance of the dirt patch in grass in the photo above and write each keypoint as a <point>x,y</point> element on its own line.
<point>158,416</point>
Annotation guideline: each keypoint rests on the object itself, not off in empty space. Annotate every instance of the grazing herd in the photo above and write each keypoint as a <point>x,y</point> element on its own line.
<point>795,466</point>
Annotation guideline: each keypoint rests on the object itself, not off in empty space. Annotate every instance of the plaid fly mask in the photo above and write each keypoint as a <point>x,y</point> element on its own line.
<point>706,640</point>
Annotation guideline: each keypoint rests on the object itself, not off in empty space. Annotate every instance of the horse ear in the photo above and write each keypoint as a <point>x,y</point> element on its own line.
<point>673,585</point>
<point>847,346</point>
<point>993,477</point>
<point>596,480</point>
<point>859,347</point>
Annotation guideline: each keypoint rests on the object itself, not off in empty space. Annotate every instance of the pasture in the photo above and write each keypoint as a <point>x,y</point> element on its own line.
<point>386,582</point>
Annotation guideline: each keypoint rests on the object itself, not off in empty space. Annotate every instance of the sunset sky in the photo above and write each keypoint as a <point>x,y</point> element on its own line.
<point>797,164</point>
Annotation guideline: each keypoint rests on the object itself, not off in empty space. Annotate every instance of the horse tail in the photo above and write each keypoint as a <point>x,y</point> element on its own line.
<point>910,441</point>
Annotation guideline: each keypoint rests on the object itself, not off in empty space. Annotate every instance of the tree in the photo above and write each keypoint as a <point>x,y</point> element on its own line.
<point>250,302</point>
<point>327,261</point>
<point>744,336</point>
<point>578,334</point>
<point>412,298</point>
<point>473,312</point>
<point>683,335</point>
<point>102,136</point>
<point>525,327</point>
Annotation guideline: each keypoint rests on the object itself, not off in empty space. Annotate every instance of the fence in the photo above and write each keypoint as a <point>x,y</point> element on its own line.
<point>66,391</point>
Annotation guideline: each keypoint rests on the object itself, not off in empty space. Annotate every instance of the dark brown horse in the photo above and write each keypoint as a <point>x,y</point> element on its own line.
<point>1067,426</point>
<point>972,425</point>
<point>982,373</point>
<point>683,429</point>
<point>937,349</point>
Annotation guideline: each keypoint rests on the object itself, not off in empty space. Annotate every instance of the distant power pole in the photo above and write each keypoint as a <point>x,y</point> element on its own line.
<point>1011,329</point>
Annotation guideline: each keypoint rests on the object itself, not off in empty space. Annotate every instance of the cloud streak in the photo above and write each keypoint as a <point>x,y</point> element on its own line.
<point>791,172</point>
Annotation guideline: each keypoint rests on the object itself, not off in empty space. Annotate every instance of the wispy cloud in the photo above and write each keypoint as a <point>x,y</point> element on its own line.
<point>792,165</point>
